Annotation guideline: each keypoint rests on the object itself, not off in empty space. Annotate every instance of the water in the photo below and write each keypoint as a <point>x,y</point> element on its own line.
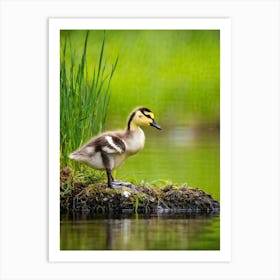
<point>179,155</point>
<point>140,232</point>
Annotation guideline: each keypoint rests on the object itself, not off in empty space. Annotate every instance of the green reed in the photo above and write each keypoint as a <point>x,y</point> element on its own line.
<point>83,98</point>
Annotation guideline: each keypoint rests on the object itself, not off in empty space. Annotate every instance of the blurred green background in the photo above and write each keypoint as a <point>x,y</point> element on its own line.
<point>175,73</point>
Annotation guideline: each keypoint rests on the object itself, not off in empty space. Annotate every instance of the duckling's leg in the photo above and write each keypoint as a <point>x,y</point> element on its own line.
<point>109,177</point>
<point>113,180</point>
<point>106,163</point>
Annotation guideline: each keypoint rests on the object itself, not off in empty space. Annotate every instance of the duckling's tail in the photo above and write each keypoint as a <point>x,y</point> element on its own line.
<point>75,156</point>
<point>72,156</point>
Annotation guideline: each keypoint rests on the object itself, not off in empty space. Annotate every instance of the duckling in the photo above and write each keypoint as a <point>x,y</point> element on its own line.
<point>108,150</point>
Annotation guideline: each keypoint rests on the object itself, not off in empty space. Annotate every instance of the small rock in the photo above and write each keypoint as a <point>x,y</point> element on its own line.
<point>126,193</point>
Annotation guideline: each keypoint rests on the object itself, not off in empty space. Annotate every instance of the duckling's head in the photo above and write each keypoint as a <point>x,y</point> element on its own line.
<point>141,116</point>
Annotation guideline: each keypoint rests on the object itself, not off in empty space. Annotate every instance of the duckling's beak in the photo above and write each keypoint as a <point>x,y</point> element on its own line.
<point>154,124</point>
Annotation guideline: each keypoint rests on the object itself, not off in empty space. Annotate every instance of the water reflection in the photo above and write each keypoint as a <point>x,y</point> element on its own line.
<point>177,231</point>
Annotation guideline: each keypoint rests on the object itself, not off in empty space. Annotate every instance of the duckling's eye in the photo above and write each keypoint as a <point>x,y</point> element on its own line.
<point>147,115</point>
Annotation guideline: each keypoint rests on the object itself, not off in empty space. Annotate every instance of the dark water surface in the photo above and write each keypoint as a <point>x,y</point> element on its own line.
<point>175,231</point>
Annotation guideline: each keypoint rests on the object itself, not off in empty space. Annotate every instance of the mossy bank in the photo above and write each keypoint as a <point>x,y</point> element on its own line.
<point>97,198</point>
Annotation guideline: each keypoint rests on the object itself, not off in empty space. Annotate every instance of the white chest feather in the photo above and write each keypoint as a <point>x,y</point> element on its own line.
<point>135,142</point>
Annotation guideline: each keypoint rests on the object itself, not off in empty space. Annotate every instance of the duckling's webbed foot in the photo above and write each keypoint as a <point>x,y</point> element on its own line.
<point>116,185</point>
<point>119,184</point>
<point>126,184</point>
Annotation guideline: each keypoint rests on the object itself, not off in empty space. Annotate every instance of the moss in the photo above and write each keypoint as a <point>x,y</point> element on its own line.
<point>79,197</point>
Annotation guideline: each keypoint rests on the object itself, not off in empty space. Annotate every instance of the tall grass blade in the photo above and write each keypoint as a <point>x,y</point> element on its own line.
<point>84,99</point>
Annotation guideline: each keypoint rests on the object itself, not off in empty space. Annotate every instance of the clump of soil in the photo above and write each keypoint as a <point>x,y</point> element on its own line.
<point>97,198</point>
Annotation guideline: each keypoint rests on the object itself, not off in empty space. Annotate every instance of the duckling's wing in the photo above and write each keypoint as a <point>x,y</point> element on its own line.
<point>110,144</point>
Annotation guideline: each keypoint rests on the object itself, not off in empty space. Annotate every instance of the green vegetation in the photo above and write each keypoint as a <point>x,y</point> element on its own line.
<point>84,97</point>
<point>161,69</point>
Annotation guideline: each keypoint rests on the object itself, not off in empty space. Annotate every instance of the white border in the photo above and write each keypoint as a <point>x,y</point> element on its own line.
<point>255,139</point>
<point>224,254</point>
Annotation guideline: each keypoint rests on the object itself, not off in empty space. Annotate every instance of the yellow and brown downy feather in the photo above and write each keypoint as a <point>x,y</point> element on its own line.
<point>107,151</point>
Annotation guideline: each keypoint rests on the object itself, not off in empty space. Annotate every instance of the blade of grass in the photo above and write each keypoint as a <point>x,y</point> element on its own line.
<point>83,99</point>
